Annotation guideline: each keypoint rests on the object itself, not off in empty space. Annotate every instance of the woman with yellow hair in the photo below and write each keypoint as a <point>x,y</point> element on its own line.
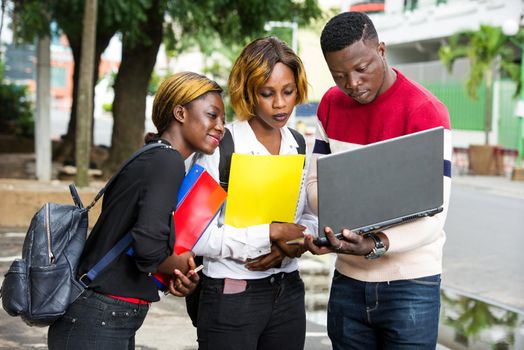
<point>188,113</point>
<point>252,295</point>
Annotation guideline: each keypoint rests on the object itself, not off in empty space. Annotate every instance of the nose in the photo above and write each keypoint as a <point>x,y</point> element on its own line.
<point>279,101</point>
<point>352,81</point>
<point>220,125</point>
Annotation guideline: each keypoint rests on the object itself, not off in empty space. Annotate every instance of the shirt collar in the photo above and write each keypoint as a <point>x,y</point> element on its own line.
<point>247,143</point>
<point>159,140</point>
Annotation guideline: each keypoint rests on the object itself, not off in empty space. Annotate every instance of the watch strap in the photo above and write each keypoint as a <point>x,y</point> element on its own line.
<point>379,249</point>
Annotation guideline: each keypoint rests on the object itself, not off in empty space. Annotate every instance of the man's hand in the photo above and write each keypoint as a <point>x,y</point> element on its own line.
<point>352,243</point>
<point>182,285</point>
<point>267,261</point>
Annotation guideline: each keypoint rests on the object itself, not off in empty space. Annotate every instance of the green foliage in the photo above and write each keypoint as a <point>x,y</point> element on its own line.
<point>284,34</point>
<point>32,18</point>
<point>232,22</point>
<point>16,115</point>
<point>219,28</point>
<point>153,83</point>
<point>29,19</point>
<point>470,317</point>
<point>486,48</point>
<point>224,27</point>
<point>107,107</point>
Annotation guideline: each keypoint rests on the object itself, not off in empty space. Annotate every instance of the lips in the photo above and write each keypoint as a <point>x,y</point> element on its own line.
<point>280,116</point>
<point>358,94</point>
<point>215,138</point>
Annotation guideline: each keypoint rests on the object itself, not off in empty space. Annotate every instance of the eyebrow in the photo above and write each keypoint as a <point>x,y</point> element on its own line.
<point>356,65</point>
<point>291,83</point>
<point>214,107</point>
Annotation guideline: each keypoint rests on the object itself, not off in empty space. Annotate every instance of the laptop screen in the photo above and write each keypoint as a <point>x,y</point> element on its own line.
<point>379,183</point>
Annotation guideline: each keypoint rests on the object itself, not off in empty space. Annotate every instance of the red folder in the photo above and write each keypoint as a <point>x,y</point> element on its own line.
<point>199,200</point>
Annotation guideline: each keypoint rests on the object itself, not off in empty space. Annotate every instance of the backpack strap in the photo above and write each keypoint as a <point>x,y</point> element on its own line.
<point>301,149</point>
<point>227,147</point>
<point>123,166</point>
<point>111,255</point>
<point>125,241</point>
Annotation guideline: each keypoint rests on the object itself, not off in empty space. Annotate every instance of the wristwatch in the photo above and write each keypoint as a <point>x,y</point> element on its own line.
<point>378,250</point>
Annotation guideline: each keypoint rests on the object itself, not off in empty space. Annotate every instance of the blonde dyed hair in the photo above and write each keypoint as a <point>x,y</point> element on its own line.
<point>179,89</point>
<point>253,68</point>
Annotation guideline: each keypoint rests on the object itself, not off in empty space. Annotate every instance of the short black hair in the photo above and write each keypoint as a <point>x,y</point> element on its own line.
<point>345,29</point>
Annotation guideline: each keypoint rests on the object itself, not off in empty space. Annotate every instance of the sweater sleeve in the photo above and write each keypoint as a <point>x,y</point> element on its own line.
<point>321,147</point>
<point>153,241</point>
<point>426,230</point>
<point>305,212</point>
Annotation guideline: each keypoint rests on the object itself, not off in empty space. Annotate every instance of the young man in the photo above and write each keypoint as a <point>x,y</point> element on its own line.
<point>385,290</point>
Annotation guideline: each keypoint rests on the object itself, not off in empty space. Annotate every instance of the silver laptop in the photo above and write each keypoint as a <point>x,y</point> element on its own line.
<point>382,184</point>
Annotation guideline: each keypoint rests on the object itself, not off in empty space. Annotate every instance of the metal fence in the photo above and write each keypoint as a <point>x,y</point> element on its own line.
<point>467,113</point>
<point>508,132</point>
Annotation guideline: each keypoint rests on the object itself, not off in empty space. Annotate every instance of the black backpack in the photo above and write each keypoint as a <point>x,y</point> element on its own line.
<point>227,147</point>
<point>40,286</point>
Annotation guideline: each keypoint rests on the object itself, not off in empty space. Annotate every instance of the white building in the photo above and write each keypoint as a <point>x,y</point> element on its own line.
<point>414,30</point>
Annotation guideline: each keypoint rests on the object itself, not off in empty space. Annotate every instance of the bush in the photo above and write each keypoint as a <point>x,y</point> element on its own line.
<point>16,115</point>
<point>107,107</point>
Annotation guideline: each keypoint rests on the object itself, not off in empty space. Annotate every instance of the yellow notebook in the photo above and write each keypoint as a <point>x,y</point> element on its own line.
<point>263,189</point>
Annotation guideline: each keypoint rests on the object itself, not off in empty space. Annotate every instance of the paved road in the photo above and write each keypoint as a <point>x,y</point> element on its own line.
<point>482,257</point>
<point>167,326</point>
<point>483,254</point>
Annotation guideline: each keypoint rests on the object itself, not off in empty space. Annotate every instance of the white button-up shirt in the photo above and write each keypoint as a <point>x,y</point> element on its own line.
<point>226,248</point>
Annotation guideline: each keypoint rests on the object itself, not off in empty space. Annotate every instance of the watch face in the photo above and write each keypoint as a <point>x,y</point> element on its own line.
<point>379,249</point>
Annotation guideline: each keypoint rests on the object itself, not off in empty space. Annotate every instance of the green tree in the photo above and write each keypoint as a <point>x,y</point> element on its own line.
<point>469,317</point>
<point>488,51</point>
<point>143,26</point>
<point>31,18</point>
<point>208,24</point>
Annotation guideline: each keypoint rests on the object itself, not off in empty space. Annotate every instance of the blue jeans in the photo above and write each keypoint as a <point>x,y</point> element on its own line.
<point>392,315</point>
<point>97,322</point>
<point>268,315</point>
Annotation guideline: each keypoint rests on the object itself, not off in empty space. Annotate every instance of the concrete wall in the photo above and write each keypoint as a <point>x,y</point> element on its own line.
<point>20,200</point>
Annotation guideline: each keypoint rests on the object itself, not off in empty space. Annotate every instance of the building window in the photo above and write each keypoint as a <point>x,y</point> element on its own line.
<point>58,77</point>
<point>410,5</point>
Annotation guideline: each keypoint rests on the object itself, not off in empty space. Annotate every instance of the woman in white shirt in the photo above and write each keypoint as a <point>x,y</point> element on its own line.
<point>252,295</point>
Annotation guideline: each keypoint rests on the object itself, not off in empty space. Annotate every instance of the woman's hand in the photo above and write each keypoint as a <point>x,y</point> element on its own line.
<point>179,262</point>
<point>285,231</point>
<point>264,262</point>
<point>280,233</point>
<point>182,285</point>
<point>292,251</point>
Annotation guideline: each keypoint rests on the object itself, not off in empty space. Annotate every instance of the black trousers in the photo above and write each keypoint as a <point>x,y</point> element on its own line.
<point>96,321</point>
<point>268,315</point>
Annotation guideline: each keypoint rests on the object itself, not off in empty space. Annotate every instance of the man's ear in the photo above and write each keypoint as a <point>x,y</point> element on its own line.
<point>179,112</point>
<point>382,49</point>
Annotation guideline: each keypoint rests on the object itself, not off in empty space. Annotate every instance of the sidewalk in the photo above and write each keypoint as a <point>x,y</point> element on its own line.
<point>167,326</point>
<point>21,198</point>
<point>492,184</point>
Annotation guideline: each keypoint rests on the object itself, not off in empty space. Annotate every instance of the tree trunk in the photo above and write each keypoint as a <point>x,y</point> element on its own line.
<point>86,83</point>
<point>131,84</point>
<point>66,151</point>
<point>43,115</point>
